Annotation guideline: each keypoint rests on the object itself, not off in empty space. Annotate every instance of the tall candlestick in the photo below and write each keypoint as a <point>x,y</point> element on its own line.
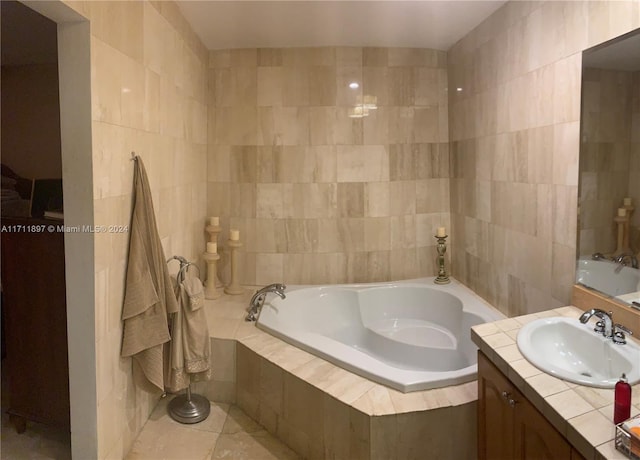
<point>211,291</point>
<point>622,222</point>
<point>442,277</point>
<point>213,231</point>
<point>234,245</point>
<point>629,208</point>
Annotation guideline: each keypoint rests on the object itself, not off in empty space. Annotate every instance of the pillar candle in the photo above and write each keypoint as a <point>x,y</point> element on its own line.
<point>234,235</point>
<point>622,212</point>
<point>626,201</point>
<point>212,248</point>
<point>441,232</point>
<point>215,221</point>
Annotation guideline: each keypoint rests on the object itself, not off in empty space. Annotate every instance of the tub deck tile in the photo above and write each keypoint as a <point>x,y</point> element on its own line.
<point>313,370</point>
<point>222,328</point>
<point>227,309</point>
<point>333,376</point>
<point>462,394</point>
<point>436,398</point>
<point>262,343</point>
<point>376,401</point>
<point>407,402</point>
<point>349,387</point>
<point>290,357</point>
<point>246,330</point>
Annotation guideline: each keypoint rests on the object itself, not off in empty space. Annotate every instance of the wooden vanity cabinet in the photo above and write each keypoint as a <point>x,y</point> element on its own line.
<point>509,426</point>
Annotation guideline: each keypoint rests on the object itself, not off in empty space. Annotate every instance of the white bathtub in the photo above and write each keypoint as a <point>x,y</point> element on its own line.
<point>407,335</point>
<point>602,276</point>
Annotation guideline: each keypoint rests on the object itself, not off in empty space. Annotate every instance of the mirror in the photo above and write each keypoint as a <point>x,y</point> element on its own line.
<point>609,182</point>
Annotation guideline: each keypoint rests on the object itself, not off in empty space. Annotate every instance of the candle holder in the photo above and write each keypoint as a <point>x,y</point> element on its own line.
<point>629,208</point>
<point>234,287</point>
<point>442,277</point>
<point>213,231</point>
<point>623,223</point>
<point>211,290</point>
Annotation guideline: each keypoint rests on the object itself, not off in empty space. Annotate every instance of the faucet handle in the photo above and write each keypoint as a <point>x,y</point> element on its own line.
<point>599,327</point>
<point>619,337</point>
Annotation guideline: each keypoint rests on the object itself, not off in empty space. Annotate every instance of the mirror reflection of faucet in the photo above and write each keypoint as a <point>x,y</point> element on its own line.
<point>620,260</point>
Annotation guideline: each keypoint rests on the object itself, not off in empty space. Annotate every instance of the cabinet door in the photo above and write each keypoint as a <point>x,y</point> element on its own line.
<point>535,437</point>
<point>495,415</point>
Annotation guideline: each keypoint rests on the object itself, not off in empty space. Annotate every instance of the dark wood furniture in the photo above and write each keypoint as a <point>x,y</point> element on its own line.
<point>34,309</point>
<point>509,426</point>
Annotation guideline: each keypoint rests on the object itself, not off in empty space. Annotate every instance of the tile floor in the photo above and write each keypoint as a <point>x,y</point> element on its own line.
<point>228,433</point>
<point>39,442</point>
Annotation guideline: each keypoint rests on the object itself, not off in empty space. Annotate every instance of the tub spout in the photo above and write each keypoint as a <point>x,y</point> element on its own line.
<point>620,260</point>
<point>258,299</point>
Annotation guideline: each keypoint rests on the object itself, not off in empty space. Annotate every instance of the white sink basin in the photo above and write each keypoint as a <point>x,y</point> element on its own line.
<point>570,350</point>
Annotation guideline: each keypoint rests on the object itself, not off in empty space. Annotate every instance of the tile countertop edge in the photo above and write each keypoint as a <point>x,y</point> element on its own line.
<point>589,429</point>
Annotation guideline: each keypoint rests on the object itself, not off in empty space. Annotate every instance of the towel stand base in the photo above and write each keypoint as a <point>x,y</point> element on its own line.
<point>189,408</point>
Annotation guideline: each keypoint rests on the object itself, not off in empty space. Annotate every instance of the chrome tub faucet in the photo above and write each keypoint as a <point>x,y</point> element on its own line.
<point>620,260</point>
<point>259,297</point>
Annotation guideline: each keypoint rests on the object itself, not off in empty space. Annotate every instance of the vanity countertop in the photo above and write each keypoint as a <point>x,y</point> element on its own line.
<point>584,415</point>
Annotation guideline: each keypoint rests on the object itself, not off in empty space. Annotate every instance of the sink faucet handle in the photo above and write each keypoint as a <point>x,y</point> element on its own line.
<point>599,327</point>
<point>619,331</point>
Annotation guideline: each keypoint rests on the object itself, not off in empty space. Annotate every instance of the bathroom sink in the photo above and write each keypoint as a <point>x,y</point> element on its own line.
<point>570,350</point>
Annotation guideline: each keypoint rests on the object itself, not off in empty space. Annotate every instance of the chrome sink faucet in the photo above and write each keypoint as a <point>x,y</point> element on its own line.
<point>606,328</point>
<point>258,299</point>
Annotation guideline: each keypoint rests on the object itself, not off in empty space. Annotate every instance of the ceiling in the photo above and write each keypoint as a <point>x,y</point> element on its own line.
<point>620,54</point>
<point>275,24</point>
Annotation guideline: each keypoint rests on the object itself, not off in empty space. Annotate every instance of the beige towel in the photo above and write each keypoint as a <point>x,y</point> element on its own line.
<point>149,297</point>
<point>189,349</point>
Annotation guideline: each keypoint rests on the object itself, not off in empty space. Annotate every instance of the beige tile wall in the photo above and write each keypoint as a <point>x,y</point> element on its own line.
<point>514,130</point>
<point>604,157</point>
<point>320,197</point>
<point>148,85</point>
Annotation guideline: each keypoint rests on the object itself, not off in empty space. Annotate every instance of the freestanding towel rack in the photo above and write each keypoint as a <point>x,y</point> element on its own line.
<point>188,408</point>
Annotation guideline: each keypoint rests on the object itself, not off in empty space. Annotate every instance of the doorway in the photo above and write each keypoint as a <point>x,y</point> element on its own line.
<point>74,73</point>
